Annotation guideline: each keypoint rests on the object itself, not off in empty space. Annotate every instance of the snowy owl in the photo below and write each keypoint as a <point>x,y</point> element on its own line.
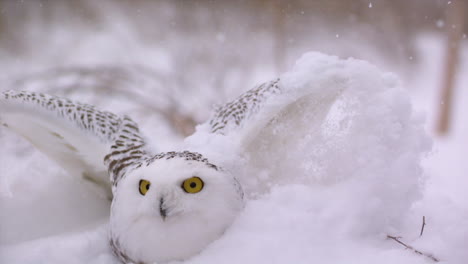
<point>171,205</point>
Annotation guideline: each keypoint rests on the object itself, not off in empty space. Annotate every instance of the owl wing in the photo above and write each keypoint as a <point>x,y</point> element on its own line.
<point>233,115</point>
<point>82,139</point>
<point>299,99</point>
<point>269,106</point>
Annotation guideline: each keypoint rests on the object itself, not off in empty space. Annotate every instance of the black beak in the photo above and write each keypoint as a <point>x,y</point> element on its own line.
<point>162,210</point>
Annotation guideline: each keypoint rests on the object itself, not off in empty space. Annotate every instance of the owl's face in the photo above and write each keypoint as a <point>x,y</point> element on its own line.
<point>172,209</point>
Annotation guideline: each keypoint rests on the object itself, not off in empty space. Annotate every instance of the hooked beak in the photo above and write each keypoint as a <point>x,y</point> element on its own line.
<point>162,209</point>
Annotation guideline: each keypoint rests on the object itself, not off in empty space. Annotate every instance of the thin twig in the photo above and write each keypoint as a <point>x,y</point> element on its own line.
<point>413,249</point>
<point>423,225</point>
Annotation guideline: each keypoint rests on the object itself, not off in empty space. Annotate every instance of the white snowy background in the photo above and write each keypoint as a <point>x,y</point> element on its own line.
<point>150,58</point>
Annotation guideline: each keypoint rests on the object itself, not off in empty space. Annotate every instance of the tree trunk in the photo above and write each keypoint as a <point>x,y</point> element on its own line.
<point>454,25</point>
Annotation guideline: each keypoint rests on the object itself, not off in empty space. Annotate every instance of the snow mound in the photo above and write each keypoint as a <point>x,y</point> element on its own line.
<point>352,137</point>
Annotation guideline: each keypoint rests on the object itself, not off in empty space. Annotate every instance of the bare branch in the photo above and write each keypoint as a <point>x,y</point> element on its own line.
<point>397,239</point>
<point>423,225</point>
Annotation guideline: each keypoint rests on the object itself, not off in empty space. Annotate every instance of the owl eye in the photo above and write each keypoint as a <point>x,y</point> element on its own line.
<point>192,185</point>
<point>144,186</point>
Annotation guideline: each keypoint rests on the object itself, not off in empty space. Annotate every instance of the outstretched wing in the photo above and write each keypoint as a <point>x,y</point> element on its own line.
<point>271,105</point>
<point>77,136</point>
<point>235,114</point>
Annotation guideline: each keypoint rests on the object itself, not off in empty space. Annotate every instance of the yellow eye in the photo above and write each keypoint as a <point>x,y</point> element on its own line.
<point>144,186</point>
<point>192,185</point>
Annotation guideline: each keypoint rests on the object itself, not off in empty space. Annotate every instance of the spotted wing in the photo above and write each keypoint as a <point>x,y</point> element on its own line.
<point>233,115</point>
<point>77,136</point>
<point>282,104</point>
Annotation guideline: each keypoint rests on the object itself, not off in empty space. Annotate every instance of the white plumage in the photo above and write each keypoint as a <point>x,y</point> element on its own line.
<point>155,216</point>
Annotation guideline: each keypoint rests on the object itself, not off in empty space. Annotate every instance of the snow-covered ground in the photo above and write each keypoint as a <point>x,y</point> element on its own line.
<point>49,217</point>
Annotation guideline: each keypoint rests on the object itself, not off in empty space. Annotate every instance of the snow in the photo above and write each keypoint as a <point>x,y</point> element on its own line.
<point>440,23</point>
<point>370,170</point>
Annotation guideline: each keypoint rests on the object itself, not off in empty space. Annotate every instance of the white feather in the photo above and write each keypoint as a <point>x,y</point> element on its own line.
<point>55,126</point>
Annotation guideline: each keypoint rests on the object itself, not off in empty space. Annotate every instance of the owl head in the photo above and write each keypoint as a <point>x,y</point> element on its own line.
<point>172,208</point>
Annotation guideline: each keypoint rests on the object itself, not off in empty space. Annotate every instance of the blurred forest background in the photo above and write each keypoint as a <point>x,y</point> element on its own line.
<point>167,63</point>
<point>179,57</point>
